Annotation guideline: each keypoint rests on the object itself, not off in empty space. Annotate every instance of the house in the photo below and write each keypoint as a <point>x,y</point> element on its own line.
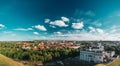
<point>95,54</point>
<point>26,46</point>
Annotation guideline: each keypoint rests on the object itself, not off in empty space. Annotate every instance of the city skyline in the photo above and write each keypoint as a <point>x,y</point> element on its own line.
<point>59,20</point>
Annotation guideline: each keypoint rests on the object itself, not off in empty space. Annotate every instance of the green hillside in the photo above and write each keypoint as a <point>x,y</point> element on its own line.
<point>116,62</point>
<point>5,61</point>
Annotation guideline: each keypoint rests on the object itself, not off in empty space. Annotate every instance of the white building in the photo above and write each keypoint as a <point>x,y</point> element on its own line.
<point>95,54</point>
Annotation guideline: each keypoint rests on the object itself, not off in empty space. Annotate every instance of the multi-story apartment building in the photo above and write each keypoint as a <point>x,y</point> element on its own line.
<point>95,54</point>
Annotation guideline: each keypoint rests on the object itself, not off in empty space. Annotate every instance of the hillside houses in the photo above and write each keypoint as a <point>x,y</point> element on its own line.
<point>57,45</point>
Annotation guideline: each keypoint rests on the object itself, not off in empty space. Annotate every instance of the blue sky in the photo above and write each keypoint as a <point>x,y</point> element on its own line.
<point>59,20</point>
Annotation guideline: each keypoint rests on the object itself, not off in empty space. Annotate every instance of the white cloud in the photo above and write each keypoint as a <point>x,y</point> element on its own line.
<point>97,23</point>
<point>77,25</point>
<point>80,36</point>
<point>23,29</point>
<point>29,28</point>
<point>57,33</point>
<point>114,29</point>
<point>36,33</point>
<point>52,26</point>
<point>7,32</point>
<point>40,27</point>
<point>65,19</point>
<point>59,23</point>
<point>10,33</point>
<point>99,30</point>
<point>96,30</point>
<point>96,34</point>
<point>84,35</point>
<point>47,20</point>
<point>92,29</point>
<point>2,26</point>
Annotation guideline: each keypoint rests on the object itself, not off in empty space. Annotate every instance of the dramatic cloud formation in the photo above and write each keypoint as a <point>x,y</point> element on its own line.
<point>40,27</point>
<point>92,32</point>
<point>95,20</point>
<point>77,25</point>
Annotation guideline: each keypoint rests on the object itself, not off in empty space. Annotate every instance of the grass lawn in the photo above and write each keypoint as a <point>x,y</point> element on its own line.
<point>116,62</point>
<point>5,61</point>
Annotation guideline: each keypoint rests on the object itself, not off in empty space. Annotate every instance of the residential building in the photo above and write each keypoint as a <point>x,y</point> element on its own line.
<point>95,54</point>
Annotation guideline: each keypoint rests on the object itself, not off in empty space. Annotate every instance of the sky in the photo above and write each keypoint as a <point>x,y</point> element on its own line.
<point>59,20</point>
